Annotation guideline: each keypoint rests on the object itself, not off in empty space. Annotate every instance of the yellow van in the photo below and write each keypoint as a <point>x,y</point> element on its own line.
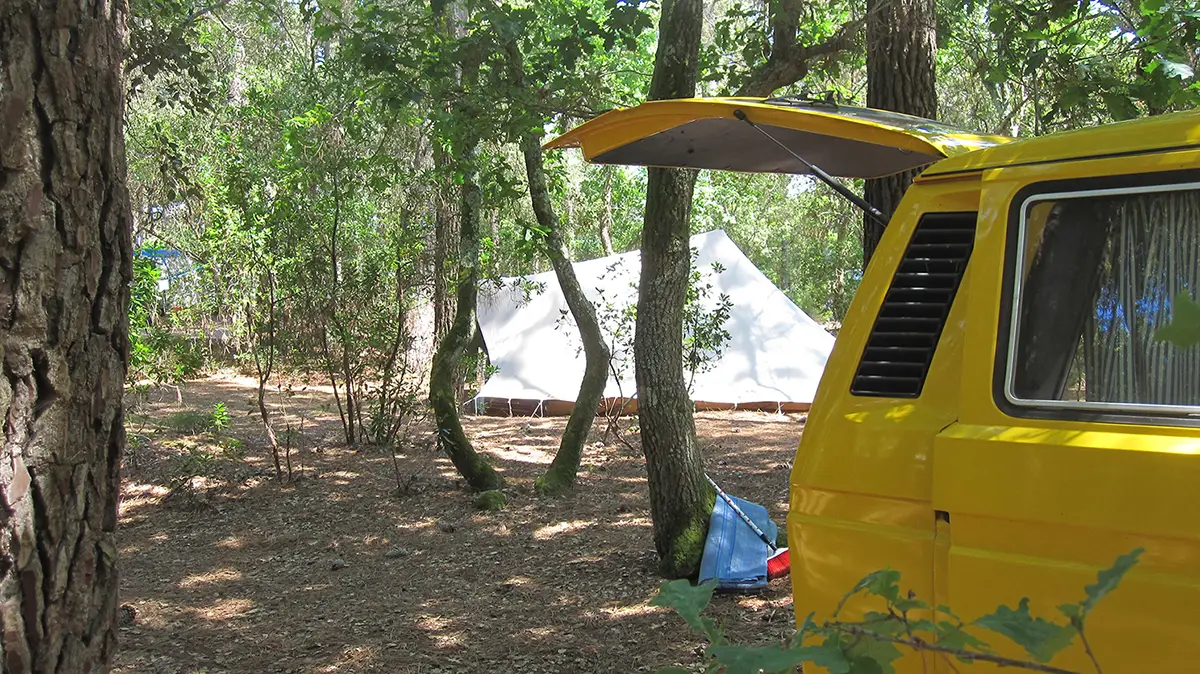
<point>997,419</point>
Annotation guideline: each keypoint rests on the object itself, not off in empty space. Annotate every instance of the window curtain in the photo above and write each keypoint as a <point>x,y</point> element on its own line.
<point>1153,253</point>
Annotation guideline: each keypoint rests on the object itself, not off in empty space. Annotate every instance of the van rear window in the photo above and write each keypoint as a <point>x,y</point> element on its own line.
<point>1098,276</point>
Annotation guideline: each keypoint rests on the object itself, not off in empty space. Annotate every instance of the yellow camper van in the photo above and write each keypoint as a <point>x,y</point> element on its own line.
<point>997,419</point>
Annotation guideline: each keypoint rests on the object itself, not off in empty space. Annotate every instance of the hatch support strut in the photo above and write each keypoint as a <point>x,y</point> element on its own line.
<point>819,173</point>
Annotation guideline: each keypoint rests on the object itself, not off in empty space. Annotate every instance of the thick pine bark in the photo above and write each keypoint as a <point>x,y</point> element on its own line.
<point>901,45</point>
<point>447,360</point>
<point>680,498</point>
<point>65,266</point>
<point>565,466</point>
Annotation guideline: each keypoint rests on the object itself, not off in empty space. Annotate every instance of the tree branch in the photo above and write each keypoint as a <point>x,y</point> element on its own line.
<point>918,644</point>
<point>789,64</point>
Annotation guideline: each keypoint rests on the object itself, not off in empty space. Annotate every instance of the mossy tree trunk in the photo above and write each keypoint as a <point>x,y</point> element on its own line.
<point>680,498</point>
<point>447,360</point>
<point>65,269</point>
<point>565,466</point>
<point>447,363</point>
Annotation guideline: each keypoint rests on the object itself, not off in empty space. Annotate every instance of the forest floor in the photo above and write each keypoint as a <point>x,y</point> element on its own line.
<point>230,570</point>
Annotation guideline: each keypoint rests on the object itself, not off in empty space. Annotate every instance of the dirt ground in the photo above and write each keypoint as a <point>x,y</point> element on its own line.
<point>230,570</point>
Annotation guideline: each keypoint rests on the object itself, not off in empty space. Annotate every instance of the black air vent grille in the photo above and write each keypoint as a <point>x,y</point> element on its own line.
<point>906,332</point>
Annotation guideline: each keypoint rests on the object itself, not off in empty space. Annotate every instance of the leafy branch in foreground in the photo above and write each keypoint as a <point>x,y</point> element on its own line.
<point>873,644</point>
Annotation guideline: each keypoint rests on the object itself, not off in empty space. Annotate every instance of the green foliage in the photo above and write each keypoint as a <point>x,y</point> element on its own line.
<point>218,418</point>
<point>704,317</point>
<point>1184,329</point>
<point>163,357</point>
<point>804,238</point>
<point>1029,67</point>
<point>156,352</point>
<point>1041,638</point>
<point>874,643</point>
<point>193,422</point>
<point>689,601</point>
<point>742,43</point>
<point>187,422</point>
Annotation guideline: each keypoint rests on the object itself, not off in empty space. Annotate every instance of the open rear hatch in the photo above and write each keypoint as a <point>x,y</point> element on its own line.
<point>710,133</point>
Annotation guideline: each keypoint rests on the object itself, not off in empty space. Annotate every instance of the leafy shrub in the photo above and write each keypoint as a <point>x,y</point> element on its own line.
<point>192,463</point>
<point>873,644</point>
<point>218,418</point>
<point>155,353</point>
<point>193,422</point>
<point>163,357</point>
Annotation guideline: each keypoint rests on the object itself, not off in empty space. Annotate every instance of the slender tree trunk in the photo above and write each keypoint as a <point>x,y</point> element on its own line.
<point>65,268</point>
<point>337,396</point>
<point>565,466</point>
<point>445,249</point>
<point>389,388</point>
<point>447,360</point>
<point>680,499</point>
<point>265,364</point>
<point>606,214</point>
<point>901,45</point>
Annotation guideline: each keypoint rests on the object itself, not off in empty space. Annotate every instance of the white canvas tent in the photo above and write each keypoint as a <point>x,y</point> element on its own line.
<point>773,359</point>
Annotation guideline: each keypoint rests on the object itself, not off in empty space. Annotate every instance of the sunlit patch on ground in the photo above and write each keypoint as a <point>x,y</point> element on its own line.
<point>210,578</point>
<point>340,572</point>
<point>225,609</point>
<point>551,530</point>
<point>232,543</point>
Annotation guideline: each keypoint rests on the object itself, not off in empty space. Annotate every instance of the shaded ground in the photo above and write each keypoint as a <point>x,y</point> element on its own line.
<point>338,571</point>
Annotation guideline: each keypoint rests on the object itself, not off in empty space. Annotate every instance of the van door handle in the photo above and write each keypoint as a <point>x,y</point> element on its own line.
<point>942,516</point>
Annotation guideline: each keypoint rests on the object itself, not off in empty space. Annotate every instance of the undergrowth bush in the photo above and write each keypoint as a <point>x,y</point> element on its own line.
<point>155,352</point>
<point>194,422</point>
<point>874,643</point>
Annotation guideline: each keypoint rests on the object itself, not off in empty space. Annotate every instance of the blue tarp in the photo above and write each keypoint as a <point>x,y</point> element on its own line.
<point>733,554</point>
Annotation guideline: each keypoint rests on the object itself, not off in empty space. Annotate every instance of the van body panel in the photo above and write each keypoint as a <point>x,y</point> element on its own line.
<point>862,483</point>
<point>1133,138</point>
<point>1147,625</point>
<point>1038,506</point>
<point>1073,477</point>
<point>833,551</point>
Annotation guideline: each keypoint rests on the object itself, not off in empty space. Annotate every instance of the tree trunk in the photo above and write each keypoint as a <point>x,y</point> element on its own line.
<point>680,498</point>
<point>264,364</point>
<point>606,214</point>
<point>565,466</point>
<point>447,360</point>
<point>789,60</point>
<point>65,268</point>
<point>334,317</point>
<point>445,250</point>
<point>901,44</point>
